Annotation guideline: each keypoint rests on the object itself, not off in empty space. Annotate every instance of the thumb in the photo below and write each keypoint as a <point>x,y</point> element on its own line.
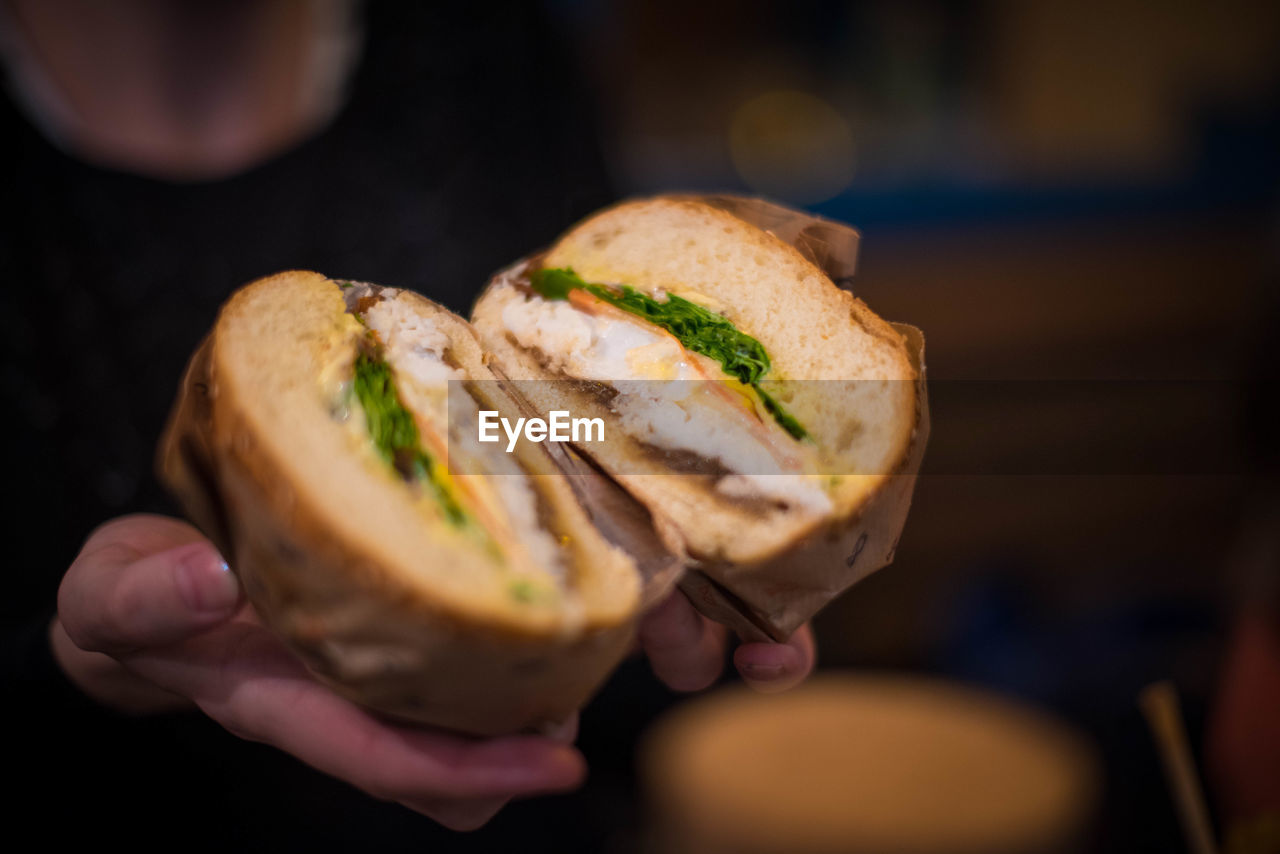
<point>114,600</point>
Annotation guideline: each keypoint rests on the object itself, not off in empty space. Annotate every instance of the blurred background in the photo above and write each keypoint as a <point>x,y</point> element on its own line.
<point>1078,205</point>
<point>1072,201</point>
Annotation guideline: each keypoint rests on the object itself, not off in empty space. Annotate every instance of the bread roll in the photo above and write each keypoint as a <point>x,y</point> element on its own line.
<point>446,584</point>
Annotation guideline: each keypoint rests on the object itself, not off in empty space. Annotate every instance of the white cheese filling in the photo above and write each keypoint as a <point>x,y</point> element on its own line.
<point>595,347</point>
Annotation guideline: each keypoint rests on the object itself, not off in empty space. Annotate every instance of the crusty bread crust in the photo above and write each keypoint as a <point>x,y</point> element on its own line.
<point>376,630</point>
<point>765,286</point>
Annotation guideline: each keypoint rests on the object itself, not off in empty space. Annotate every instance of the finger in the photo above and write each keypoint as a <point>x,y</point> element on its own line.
<point>145,532</point>
<point>564,732</point>
<point>116,597</point>
<point>241,676</point>
<point>685,649</point>
<point>458,814</point>
<point>107,680</point>
<point>403,763</point>
<point>774,667</point>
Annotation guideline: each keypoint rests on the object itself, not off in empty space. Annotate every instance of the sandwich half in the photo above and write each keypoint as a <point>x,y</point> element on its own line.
<point>754,407</point>
<point>412,568</point>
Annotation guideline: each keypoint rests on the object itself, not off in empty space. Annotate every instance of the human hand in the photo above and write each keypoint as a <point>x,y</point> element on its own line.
<point>686,651</point>
<point>150,618</point>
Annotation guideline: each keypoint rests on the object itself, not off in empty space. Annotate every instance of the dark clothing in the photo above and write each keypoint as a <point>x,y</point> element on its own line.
<point>465,143</point>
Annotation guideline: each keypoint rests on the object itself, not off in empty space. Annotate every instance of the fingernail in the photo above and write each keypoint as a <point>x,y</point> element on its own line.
<point>206,582</point>
<point>762,672</point>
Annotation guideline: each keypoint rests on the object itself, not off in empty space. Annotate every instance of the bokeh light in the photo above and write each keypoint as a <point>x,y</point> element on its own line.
<point>793,146</point>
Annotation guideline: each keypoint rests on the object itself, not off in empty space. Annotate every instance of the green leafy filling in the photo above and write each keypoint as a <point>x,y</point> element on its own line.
<point>394,432</point>
<point>522,590</point>
<point>697,328</point>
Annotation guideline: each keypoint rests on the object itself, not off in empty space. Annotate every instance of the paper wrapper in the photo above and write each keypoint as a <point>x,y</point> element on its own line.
<point>771,599</point>
<point>832,246</point>
<point>354,628</point>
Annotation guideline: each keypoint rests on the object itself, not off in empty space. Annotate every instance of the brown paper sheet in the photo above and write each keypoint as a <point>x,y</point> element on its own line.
<point>832,246</point>
<point>770,600</point>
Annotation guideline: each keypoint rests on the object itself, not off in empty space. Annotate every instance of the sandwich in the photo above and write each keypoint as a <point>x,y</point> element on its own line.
<point>762,414</point>
<point>417,571</point>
